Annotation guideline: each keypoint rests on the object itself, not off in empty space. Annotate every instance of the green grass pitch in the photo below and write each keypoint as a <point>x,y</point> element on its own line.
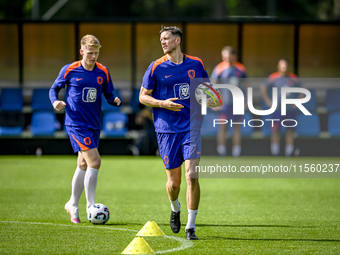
<point>236,215</point>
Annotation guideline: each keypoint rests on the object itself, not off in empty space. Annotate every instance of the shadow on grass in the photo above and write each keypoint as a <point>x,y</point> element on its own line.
<point>123,224</point>
<point>162,225</point>
<point>213,225</point>
<point>271,239</point>
<point>252,226</point>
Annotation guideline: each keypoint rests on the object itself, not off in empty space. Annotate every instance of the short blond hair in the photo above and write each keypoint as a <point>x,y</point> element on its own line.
<point>90,41</point>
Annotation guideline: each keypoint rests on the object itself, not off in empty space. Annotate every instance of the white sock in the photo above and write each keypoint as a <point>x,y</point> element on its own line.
<point>289,149</point>
<point>175,206</point>
<point>236,150</point>
<point>275,148</point>
<point>191,219</point>
<point>90,184</point>
<point>221,150</point>
<point>77,186</point>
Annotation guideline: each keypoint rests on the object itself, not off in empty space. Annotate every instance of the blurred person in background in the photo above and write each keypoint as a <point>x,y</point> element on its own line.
<point>229,71</point>
<point>279,79</point>
<point>146,143</point>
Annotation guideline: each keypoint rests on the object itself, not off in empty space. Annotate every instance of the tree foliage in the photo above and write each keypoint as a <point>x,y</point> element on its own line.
<point>216,10</point>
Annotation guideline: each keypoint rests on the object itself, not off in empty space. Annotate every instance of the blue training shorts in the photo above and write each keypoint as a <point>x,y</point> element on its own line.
<point>175,148</point>
<point>83,139</point>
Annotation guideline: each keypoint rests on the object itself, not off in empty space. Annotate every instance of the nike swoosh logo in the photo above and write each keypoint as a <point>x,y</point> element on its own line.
<point>78,79</point>
<point>167,76</point>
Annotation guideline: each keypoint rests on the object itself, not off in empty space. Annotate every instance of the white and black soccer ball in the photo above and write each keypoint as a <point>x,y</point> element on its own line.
<point>98,214</point>
<point>213,95</point>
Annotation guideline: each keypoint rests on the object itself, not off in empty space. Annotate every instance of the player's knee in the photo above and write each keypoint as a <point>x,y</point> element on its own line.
<point>82,165</point>
<point>174,184</point>
<point>222,128</point>
<point>96,163</point>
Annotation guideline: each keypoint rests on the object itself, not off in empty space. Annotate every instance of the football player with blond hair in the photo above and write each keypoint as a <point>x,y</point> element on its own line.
<point>85,80</point>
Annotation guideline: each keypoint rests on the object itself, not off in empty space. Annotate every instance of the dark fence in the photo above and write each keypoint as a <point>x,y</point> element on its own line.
<point>34,52</point>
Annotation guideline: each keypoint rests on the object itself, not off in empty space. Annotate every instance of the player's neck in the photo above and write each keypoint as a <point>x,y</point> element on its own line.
<point>231,63</point>
<point>86,66</point>
<point>175,57</point>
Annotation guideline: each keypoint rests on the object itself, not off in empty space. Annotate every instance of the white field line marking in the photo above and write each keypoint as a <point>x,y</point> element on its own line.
<point>185,244</point>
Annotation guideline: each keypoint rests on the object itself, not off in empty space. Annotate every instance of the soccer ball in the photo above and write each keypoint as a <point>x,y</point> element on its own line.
<point>214,97</point>
<point>98,214</point>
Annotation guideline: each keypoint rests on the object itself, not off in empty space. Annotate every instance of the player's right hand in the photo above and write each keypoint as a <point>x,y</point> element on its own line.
<point>59,105</point>
<point>170,105</point>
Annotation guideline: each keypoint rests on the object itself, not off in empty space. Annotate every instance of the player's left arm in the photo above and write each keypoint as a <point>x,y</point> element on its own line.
<point>298,84</point>
<point>214,75</point>
<point>109,95</point>
<point>214,104</point>
<point>112,99</point>
<point>246,85</point>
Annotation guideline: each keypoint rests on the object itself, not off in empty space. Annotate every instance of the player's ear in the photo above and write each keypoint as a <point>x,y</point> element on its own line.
<point>178,40</point>
<point>81,51</point>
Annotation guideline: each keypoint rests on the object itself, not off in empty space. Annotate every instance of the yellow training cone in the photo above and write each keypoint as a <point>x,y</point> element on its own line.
<point>138,246</point>
<point>150,229</point>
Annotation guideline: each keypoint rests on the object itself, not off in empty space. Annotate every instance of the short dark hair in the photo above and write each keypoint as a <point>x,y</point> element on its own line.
<point>230,49</point>
<point>176,31</point>
<point>284,59</point>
